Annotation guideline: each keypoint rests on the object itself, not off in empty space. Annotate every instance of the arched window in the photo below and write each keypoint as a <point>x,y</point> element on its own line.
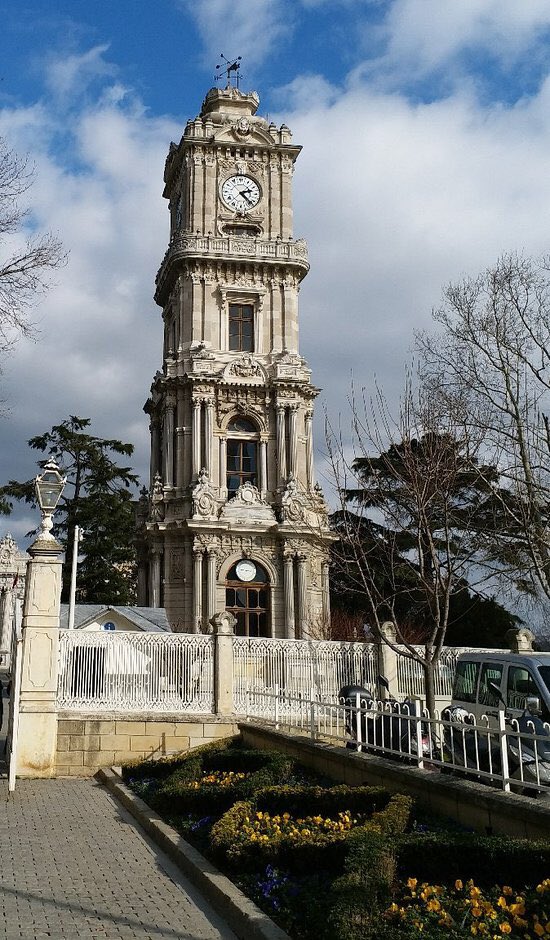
<point>242,454</point>
<point>247,597</point>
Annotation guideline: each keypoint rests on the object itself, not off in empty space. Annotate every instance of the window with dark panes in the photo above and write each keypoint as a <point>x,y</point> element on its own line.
<point>521,686</point>
<point>491,672</point>
<point>241,327</point>
<point>249,602</point>
<point>242,454</point>
<point>465,684</point>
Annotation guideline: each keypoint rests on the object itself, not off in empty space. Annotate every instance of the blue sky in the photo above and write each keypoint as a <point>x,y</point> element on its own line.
<point>426,133</point>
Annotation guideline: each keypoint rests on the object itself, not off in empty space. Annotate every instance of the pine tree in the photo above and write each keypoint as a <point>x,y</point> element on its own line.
<point>98,498</point>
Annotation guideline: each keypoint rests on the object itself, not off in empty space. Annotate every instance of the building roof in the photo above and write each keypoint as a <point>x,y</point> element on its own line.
<point>150,619</point>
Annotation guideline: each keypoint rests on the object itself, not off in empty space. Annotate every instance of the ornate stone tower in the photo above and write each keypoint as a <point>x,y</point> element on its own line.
<point>234,518</point>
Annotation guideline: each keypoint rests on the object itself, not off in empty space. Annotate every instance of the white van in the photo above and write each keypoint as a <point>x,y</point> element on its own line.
<point>520,676</point>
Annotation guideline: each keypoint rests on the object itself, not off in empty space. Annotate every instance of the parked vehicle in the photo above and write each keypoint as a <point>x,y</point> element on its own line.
<point>386,727</point>
<point>517,676</point>
<point>475,744</point>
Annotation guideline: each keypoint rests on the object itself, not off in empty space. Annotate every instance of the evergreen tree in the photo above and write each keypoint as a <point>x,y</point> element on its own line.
<point>97,498</point>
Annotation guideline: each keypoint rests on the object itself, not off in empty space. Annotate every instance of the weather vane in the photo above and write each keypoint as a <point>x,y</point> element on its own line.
<point>229,68</point>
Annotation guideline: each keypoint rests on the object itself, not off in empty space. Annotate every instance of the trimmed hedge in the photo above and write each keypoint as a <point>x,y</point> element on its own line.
<point>489,860</point>
<point>177,795</point>
<point>164,767</point>
<point>388,816</point>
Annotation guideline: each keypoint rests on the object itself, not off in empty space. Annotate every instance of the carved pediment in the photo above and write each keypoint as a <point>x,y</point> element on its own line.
<point>245,367</point>
<point>248,506</point>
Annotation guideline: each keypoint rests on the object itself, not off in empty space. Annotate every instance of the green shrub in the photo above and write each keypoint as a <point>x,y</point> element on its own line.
<point>164,767</point>
<point>364,890</point>
<point>446,856</point>
<point>316,849</point>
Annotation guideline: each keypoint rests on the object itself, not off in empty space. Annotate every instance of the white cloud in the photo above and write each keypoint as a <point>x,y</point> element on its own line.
<point>422,35</point>
<point>239,27</point>
<point>71,74</point>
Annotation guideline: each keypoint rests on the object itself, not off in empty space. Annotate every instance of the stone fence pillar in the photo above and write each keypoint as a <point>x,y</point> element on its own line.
<point>222,627</point>
<point>387,659</point>
<point>37,734</point>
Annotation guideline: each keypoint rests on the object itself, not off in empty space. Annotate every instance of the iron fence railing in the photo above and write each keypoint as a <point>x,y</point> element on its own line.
<point>122,671</point>
<point>511,753</point>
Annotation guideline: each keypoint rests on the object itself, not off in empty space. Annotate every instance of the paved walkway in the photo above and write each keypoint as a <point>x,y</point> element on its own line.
<point>73,863</point>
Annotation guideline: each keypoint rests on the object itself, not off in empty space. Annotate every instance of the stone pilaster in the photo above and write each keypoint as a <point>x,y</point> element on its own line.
<point>37,737</point>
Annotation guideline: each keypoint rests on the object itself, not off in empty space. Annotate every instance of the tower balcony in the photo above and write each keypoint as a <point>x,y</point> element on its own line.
<point>185,246</point>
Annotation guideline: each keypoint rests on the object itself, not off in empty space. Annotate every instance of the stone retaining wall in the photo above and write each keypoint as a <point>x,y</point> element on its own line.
<point>85,743</point>
<point>472,804</point>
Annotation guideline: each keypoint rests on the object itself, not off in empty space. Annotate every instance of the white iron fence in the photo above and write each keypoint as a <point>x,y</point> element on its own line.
<point>136,672</point>
<point>316,669</point>
<point>512,753</point>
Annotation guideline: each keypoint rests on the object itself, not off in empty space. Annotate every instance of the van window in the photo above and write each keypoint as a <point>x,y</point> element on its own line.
<point>521,684</point>
<point>465,681</point>
<point>491,672</point>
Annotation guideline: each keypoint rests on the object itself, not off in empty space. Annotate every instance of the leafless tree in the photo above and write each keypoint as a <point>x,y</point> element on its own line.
<point>490,360</point>
<point>26,261</point>
<point>408,494</point>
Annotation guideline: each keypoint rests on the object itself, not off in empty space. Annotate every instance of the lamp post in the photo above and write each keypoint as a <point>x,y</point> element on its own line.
<point>48,486</point>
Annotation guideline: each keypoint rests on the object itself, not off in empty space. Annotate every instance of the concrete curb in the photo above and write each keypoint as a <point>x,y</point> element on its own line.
<point>240,913</point>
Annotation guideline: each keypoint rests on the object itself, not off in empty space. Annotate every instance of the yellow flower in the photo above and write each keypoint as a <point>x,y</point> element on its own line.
<point>507,890</point>
<point>476,911</point>
<point>539,930</point>
<point>502,902</point>
<point>412,883</point>
<point>505,928</point>
<point>475,892</point>
<point>458,885</point>
<point>433,905</point>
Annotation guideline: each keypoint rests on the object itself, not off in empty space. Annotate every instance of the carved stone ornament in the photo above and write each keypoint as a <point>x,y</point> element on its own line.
<point>247,505</point>
<point>293,503</point>
<point>157,499</point>
<point>8,549</point>
<point>242,127</point>
<point>204,498</point>
<point>245,367</point>
<point>176,565</point>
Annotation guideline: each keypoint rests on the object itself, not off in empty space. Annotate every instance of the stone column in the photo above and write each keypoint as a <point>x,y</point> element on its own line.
<point>180,441</point>
<point>223,467</point>
<point>302,596</point>
<point>37,738</point>
<point>223,625</point>
<point>263,467</point>
<point>155,576</point>
<point>211,583</point>
<point>169,444</point>
<point>281,445</point>
<point>142,584</point>
<point>6,619</point>
<point>309,449</point>
<point>155,449</point>
<point>208,438</point>
<point>325,593</point>
<point>196,438</point>
<point>387,659</point>
<point>293,435</point>
<point>197,590</point>
<point>290,622</point>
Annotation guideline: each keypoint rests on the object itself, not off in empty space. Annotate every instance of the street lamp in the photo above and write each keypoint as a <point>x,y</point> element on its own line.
<point>49,486</point>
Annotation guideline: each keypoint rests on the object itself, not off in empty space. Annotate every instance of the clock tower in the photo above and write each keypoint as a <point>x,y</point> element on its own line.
<point>234,518</point>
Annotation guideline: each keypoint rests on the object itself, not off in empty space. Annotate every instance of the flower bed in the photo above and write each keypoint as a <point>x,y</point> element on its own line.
<point>341,862</point>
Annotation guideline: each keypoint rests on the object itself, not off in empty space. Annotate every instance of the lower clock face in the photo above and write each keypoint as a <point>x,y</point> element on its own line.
<point>246,570</point>
<point>240,193</point>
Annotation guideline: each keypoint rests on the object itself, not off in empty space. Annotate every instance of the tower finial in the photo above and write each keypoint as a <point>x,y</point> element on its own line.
<point>228,67</point>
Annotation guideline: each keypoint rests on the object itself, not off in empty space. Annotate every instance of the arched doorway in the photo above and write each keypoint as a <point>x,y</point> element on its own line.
<point>247,596</point>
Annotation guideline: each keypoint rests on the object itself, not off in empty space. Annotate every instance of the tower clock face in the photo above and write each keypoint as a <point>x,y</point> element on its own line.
<point>240,193</point>
<point>246,570</point>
